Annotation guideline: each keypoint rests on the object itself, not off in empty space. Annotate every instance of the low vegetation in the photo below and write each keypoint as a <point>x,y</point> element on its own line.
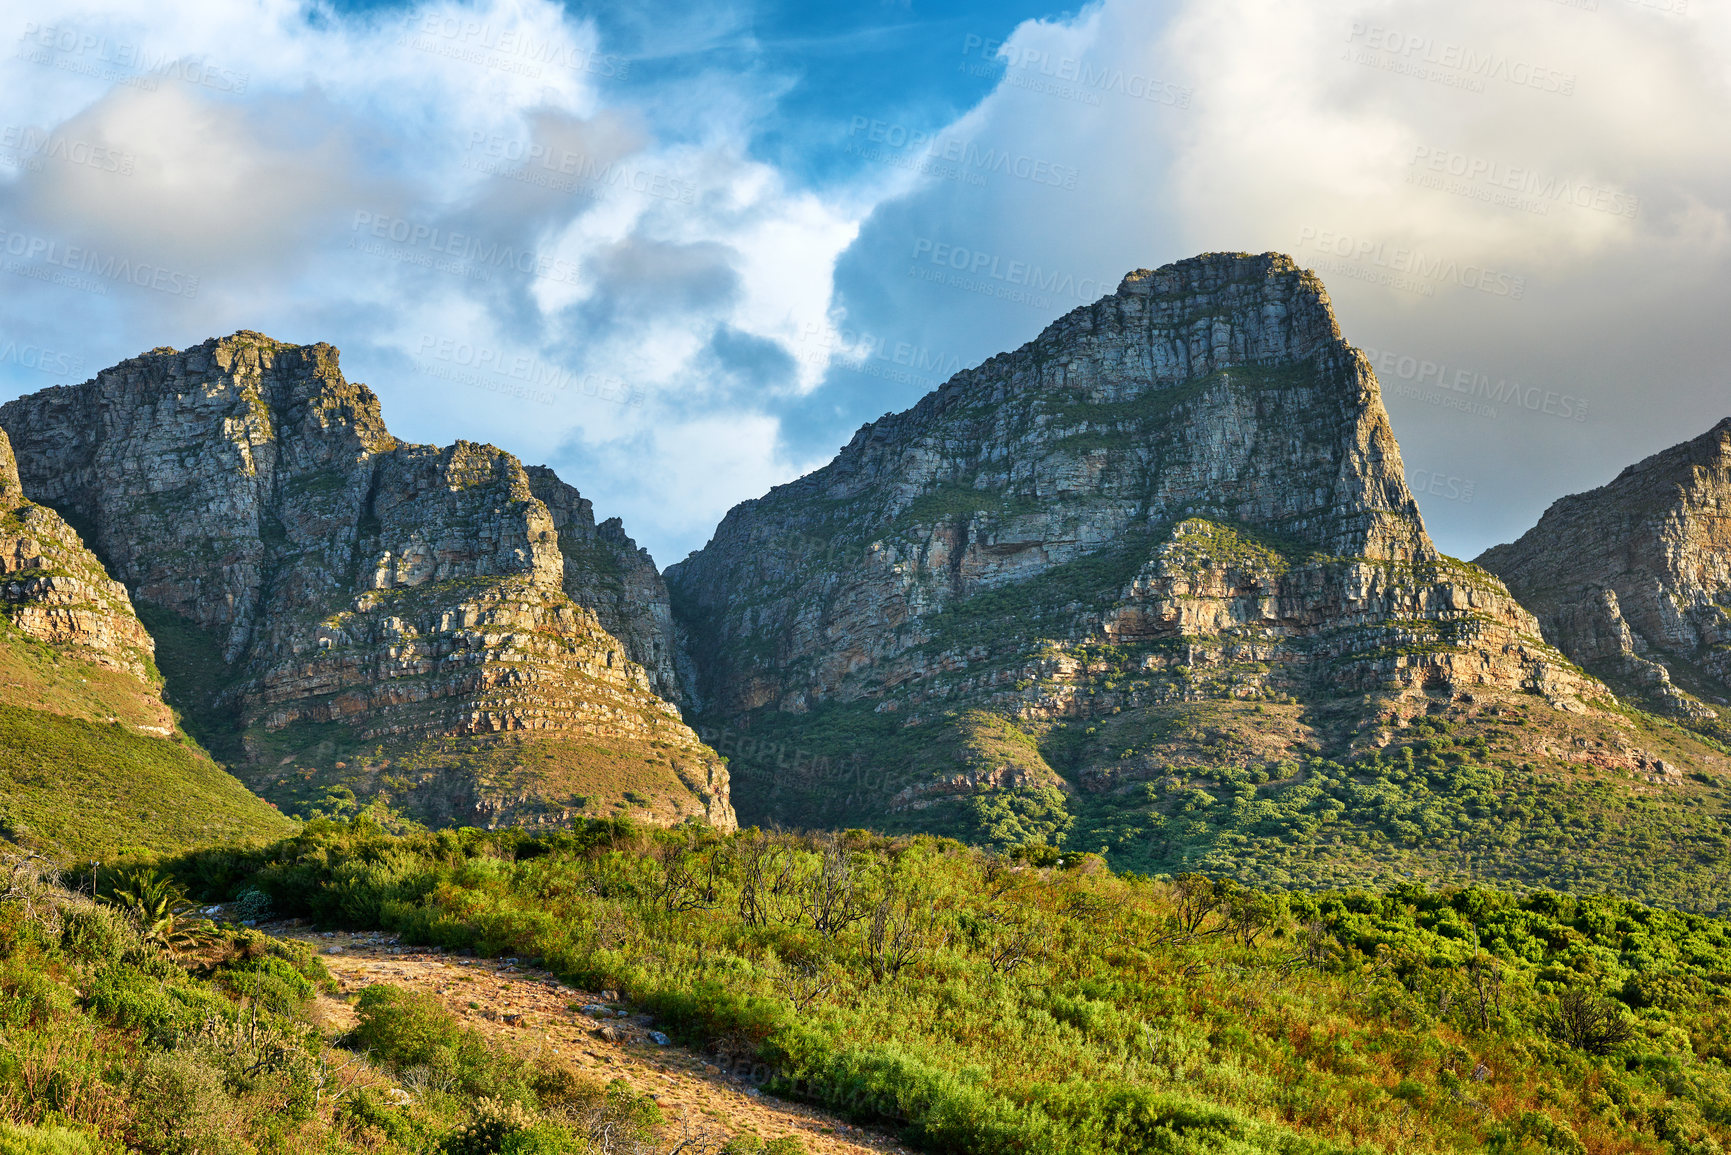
<point>1035,1001</point>
<point>128,1024</point>
<point>72,788</point>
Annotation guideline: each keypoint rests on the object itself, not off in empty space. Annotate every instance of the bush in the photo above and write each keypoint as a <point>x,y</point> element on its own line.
<point>1589,1023</point>
<point>406,1029</point>
<point>178,1104</point>
<point>494,1122</point>
<point>45,1141</point>
<point>273,983</point>
<point>752,1145</point>
<point>29,997</point>
<point>364,1110</point>
<point>96,934</point>
<point>545,1139</point>
<point>251,905</point>
<point>127,997</point>
<point>563,1088</point>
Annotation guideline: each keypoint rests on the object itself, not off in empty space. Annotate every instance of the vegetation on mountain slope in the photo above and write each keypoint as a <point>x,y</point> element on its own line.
<point>81,778</point>
<point>1512,795</point>
<point>1032,1002</point>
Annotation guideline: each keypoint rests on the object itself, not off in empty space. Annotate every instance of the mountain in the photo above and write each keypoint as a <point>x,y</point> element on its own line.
<point>340,611</point>
<point>92,762</point>
<point>1154,584</point>
<point>1633,580</point>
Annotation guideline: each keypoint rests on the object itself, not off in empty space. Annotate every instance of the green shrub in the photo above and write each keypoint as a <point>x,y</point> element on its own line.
<point>364,1109</point>
<point>18,1140</point>
<point>272,982</point>
<point>493,1123</point>
<point>752,1145</point>
<point>179,1104</point>
<point>408,1029</point>
<point>251,905</point>
<point>1536,1132</point>
<point>96,934</point>
<point>29,997</point>
<point>126,997</point>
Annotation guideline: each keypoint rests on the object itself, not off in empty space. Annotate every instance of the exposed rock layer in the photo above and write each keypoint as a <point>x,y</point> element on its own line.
<point>54,590</point>
<point>1186,490</point>
<point>423,601</point>
<point>1633,579</point>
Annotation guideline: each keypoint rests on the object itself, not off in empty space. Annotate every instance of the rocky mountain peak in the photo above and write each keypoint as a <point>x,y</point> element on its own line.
<point>1195,476</point>
<point>370,601</point>
<point>1633,579</point>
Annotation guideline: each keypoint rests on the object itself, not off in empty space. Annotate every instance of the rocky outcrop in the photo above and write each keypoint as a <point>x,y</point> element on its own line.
<point>404,620</point>
<point>1188,490</point>
<point>608,574</point>
<point>1633,579</point>
<point>55,591</point>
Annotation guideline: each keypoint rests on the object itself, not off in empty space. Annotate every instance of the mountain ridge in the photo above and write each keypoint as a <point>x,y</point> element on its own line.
<point>1163,550</point>
<point>1633,579</point>
<point>391,619</point>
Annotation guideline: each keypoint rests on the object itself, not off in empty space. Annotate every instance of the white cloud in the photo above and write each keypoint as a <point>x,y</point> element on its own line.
<point>381,182</point>
<point>316,173</point>
<point>1574,154</point>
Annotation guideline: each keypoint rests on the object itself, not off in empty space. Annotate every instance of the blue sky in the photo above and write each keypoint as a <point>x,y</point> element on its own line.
<point>681,252</point>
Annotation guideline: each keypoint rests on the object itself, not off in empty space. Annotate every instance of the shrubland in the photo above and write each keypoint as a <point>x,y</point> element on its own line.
<point>129,1024</point>
<point>1036,1001</point>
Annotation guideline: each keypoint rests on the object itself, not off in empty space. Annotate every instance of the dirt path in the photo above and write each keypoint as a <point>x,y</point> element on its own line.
<point>529,1009</point>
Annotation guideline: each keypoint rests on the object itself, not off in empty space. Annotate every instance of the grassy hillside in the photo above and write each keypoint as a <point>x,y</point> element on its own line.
<point>74,788</point>
<point>1036,1003</point>
<point>94,765</point>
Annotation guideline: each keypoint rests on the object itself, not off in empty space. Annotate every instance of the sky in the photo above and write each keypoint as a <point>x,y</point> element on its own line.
<point>681,251</point>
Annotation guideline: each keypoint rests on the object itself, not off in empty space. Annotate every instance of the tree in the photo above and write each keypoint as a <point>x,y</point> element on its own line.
<point>1589,1023</point>
<point>159,907</point>
<point>832,898</point>
<point>897,934</point>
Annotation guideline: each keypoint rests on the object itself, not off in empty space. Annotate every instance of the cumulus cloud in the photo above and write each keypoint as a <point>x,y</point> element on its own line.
<point>508,241</point>
<point>520,232</point>
<point>1519,208</point>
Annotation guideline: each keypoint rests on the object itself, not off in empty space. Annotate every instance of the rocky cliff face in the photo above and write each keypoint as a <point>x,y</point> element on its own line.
<point>403,620</point>
<point>608,574</point>
<point>53,590</point>
<point>1633,579</point>
<point>1187,491</point>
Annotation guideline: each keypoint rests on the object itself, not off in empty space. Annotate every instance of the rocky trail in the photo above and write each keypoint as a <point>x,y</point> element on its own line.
<point>530,1010</point>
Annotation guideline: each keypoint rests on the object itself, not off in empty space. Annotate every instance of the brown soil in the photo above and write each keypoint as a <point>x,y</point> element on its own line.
<point>529,1010</point>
